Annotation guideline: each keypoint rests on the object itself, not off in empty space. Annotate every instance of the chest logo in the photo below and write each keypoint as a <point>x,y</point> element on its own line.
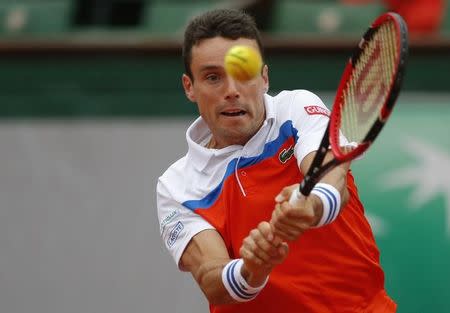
<point>286,154</point>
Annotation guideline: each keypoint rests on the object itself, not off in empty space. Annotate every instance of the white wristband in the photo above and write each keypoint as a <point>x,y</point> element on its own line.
<point>236,285</point>
<point>331,202</point>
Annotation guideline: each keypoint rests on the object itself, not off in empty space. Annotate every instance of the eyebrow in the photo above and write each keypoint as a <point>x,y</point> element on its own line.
<point>209,67</point>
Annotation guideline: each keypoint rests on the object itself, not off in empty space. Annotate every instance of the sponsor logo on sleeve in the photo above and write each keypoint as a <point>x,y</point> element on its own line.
<point>316,110</point>
<point>174,233</point>
<point>167,219</point>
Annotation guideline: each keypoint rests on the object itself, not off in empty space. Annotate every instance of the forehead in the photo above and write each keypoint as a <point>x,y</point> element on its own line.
<point>212,51</point>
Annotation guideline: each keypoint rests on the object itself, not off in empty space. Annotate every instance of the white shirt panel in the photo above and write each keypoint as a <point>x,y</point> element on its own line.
<point>177,224</point>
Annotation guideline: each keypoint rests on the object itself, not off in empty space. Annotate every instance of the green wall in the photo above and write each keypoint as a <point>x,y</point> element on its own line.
<point>139,84</point>
<point>404,185</point>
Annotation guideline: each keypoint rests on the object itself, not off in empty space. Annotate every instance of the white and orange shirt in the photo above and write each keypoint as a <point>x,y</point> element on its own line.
<point>334,268</point>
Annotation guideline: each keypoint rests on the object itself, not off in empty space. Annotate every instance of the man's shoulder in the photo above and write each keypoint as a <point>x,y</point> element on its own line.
<point>295,96</point>
<point>292,104</point>
<point>175,171</point>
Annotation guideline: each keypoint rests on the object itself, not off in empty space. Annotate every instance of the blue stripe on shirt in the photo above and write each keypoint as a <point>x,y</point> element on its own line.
<point>287,130</point>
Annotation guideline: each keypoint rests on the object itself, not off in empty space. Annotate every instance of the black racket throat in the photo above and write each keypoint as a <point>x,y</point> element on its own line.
<point>316,171</point>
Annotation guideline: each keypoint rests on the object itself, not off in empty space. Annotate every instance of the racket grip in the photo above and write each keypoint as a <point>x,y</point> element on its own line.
<point>295,198</point>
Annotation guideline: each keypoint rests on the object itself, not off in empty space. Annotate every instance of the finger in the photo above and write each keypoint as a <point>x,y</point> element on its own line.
<point>283,249</point>
<point>280,211</point>
<point>275,214</point>
<point>279,227</point>
<point>285,193</point>
<point>288,230</point>
<point>291,223</point>
<point>254,244</point>
<point>288,235</point>
<point>305,213</point>
<point>262,241</point>
<point>266,230</point>
<point>250,257</point>
<point>286,215</point>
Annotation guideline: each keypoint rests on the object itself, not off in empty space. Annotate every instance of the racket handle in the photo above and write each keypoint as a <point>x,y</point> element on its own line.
<point>295,198</point>
<point>307,185</point>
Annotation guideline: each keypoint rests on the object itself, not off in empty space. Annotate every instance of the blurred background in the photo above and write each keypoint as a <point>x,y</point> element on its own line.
<point>92,112</point>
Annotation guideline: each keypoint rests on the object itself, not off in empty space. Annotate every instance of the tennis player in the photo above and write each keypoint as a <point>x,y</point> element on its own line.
<point>223,207</point>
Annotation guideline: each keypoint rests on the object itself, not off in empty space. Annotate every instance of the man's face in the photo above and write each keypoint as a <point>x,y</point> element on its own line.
<point>233,110</point>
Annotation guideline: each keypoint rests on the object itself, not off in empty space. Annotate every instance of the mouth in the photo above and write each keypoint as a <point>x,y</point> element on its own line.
<point>233,113</point>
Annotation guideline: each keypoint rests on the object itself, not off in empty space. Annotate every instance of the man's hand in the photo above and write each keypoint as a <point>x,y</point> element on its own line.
<point>260,254</point>
<point>290,222</point>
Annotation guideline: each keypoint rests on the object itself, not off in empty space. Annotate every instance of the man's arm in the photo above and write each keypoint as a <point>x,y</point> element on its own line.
<point>206,256</point>
<point>288,222</point>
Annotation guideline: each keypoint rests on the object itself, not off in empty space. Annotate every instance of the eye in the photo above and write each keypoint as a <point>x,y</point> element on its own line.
<point>213,78</point>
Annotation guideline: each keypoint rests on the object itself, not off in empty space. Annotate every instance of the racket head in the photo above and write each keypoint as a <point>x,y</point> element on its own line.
<point>369,86</point>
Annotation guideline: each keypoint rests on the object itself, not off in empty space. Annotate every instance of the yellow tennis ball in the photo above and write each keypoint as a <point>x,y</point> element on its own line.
<point>243,62</point>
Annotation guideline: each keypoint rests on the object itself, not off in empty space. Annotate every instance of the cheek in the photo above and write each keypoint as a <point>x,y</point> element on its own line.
<point>256,89</point>
<point>206,103</point>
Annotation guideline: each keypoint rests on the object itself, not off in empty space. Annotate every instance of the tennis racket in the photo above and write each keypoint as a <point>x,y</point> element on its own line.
<point>365,97</point>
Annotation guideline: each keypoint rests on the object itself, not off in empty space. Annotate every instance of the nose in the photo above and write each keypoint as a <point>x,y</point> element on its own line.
<point>231,92</point>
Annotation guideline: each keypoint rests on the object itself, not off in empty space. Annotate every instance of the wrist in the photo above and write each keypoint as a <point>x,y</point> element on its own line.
<point>318,209</point>
<point>331,202</point>
<point>236,285</point>
<point>255,278</point>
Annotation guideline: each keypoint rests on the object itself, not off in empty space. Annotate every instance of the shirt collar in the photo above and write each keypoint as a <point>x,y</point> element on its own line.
<point>199,155</point>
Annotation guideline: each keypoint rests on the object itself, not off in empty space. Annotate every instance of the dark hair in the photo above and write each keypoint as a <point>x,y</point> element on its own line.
<point>232,24</point>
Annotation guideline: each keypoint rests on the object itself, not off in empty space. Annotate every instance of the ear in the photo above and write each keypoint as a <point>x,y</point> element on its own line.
<point>265,76</point>
<point>188,87</point>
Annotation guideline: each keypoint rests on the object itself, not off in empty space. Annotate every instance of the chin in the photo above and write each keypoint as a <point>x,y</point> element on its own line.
<point>239,136</point>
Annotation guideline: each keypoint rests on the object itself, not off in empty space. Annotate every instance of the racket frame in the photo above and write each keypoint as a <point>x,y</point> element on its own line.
<point>331,136</point>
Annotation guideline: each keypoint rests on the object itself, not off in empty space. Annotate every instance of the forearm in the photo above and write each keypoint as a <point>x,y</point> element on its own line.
<point>224,280</point>
<point>209,278</point>
<point>205,257</point>
<point>338,179</point>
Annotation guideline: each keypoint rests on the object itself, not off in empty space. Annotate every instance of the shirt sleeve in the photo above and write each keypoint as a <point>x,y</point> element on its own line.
<point>177,224</point>
<point>310,118</point>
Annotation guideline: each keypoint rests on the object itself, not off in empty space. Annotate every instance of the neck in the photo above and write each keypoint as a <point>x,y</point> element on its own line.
<point>211,144</point>
<point>214,144</point>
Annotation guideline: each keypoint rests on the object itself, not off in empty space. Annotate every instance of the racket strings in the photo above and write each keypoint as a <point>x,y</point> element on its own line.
<point>368,87</point>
